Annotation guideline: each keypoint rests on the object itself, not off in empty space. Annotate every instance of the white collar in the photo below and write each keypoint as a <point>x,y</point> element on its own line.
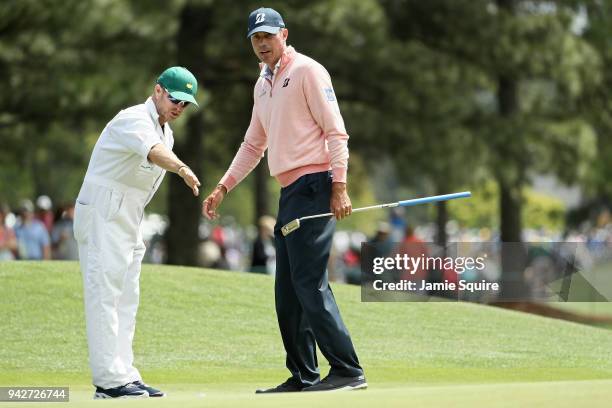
<point>152,110</point>
<point>155,116</point>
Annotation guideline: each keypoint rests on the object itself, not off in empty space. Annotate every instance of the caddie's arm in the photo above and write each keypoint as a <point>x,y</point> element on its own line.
<point>167,160</point>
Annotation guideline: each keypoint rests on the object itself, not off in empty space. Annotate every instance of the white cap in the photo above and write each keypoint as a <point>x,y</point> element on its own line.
<point>44,203</point>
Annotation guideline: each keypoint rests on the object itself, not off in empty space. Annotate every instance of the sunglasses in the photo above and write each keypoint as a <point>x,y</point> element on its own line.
<point>176,101</point>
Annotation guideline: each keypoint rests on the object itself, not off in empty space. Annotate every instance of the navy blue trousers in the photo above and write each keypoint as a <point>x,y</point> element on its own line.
<point>305,305</point>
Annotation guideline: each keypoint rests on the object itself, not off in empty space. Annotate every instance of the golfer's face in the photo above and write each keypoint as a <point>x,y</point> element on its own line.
<point>269,47</point>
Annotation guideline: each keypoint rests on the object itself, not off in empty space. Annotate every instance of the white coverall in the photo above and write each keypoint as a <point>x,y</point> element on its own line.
<point>119,183</point>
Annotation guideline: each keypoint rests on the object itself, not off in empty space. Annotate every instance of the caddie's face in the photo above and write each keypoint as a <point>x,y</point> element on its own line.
<point>269,47</point>
<point>167,110</point>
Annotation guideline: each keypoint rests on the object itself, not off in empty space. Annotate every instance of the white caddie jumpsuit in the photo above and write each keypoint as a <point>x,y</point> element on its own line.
<point>119,183</point>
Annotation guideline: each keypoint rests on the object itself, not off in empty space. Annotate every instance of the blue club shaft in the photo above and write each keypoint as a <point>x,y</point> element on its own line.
<point>433,199</point>
<point>405,203</point>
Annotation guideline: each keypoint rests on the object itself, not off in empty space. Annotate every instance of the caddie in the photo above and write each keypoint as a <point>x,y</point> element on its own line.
<point>127,166</point>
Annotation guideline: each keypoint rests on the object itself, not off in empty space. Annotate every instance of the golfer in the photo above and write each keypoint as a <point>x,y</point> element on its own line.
<point>296,117</point>
<point>127,166</point>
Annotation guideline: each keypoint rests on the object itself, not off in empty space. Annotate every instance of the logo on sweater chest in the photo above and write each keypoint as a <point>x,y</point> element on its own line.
<point>266,88</point>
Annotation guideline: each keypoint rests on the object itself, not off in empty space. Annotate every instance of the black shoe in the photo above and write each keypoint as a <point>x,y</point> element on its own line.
<point>337,383</point>
<point>124,391</point>
<point>287,386</point>
<point>153,392</point>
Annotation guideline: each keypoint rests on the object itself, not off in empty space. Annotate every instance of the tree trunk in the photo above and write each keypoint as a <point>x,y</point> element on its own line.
<point>513,256</point>
<point>510,211</point>
<point>183,208</point>
<point>513,251</point>
<point>182,237</point>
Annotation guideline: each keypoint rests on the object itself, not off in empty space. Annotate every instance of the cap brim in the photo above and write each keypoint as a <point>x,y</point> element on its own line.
<point>265,29</point>
<point>183,96</point>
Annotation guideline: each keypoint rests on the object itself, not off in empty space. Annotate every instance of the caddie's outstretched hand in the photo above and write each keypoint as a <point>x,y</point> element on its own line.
<point>212,202</point>
<point>190,179</point>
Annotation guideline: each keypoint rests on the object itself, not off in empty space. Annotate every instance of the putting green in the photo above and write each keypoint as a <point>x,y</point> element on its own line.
<point>210,338</point>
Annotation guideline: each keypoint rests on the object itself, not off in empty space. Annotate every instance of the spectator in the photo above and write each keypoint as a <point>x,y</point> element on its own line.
<point>351,260</point>
<point>32,237</point>
<point>413,247</point>
<point>8,242</point>
<point>209,255</point>
<point>217,236</point>
<point>62,236</point>
<point>381,242</point>
<point>262,260</point>
<point>397,224</point>
<point>44,212</point>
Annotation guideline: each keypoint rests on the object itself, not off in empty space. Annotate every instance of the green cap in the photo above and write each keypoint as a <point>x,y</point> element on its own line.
<point>180,83</point>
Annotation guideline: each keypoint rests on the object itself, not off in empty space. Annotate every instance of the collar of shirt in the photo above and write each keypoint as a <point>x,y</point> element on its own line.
<point>155,117</point>
<point>267,73</point>
<point>287,56</point>
<point>152,110</point>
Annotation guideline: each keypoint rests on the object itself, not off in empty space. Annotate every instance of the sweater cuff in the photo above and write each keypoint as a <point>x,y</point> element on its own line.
<point>228,181</point>
<point>339,174</point>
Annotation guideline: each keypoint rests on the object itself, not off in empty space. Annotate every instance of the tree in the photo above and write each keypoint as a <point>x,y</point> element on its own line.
<point>182,236</point>
<point>596,102</point>
<point>535,67</point>
<point>62,78</point>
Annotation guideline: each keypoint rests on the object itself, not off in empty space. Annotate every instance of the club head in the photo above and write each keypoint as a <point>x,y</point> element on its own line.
<point>290,227</point>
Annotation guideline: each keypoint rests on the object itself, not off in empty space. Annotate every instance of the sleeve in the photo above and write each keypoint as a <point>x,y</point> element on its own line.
<point>249,154</point>
<point>324,107</point>
<point>134,134</point>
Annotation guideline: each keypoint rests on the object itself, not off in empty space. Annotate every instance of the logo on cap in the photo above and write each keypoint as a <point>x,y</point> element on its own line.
<point>189,86</point>
<point>265,20</point>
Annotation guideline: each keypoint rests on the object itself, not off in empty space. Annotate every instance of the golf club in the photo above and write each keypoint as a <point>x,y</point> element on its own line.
<point>295,224</point>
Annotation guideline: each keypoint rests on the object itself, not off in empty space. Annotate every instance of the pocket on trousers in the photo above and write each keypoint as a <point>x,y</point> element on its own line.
<point>116,199</point>
<point>308,186</point>
<point>82,221</point>
<point>109,203</point>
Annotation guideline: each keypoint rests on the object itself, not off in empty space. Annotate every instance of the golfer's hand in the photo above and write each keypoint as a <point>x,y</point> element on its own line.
<point>190,179</point>
<point>340,203</point>
<point>209,206</point>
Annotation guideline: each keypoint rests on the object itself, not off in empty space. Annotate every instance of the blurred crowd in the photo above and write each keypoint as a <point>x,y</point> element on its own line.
<point>39,231</point>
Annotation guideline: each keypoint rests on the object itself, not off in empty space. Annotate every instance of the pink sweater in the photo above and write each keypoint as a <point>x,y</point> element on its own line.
<point>297,118</point>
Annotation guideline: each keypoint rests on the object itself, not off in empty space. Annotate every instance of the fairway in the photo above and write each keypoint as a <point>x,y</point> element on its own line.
<point>210,339</point>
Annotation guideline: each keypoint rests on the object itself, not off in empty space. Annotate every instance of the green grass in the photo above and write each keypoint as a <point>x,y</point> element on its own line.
<point>210,338</point>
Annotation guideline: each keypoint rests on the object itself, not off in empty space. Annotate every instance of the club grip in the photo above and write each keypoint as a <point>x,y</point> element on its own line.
<point>433,199</point>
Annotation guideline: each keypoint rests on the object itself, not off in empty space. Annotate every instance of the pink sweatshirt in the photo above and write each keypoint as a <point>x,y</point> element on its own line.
<point>297,118</point>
